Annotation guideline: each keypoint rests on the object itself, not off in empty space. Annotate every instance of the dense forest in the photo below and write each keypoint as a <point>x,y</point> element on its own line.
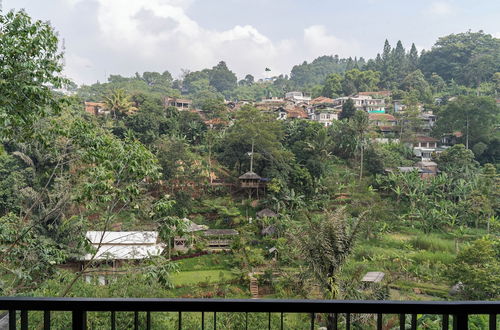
<point>337,212</point>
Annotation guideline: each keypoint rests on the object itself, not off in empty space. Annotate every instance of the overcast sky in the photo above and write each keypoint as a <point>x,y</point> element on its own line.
<point>105,37</point>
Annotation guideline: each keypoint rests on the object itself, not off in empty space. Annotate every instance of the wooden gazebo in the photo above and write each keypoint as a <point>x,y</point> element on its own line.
<point>250,180</point>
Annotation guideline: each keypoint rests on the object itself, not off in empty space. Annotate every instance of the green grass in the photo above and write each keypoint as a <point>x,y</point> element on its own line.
<point>199,276</point>
<point>213,261</point>
<point>434,243</point>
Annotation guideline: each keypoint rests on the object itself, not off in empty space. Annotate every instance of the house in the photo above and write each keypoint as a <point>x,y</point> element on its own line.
<point>386,123</point>
<point>96,108</point>
<point>180,104</point>
<point>250,180</point>
<point>185,242</point>
<point>424,146</point>
<point>114,248</point>
<point>297,97</point>
<point>428,120</point>
<point>430,167</point>
<point>363,102</point>
<point>219,239</point>
<point>451,139</point>
<point>322,100</point>
<point>324,115</point>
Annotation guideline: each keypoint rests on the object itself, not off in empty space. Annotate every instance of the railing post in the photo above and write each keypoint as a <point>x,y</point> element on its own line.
<point>79,320</point>
<point>12,319</point>
<point>46,320</point>
<point>460,322</point>
<point>24,320</point>
<point>493,321</point>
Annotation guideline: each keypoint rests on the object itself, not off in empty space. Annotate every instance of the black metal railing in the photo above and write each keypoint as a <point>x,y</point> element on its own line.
<point>338,312</point>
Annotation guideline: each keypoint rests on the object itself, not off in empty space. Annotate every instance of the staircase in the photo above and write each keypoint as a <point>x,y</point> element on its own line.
<point>254,287</point>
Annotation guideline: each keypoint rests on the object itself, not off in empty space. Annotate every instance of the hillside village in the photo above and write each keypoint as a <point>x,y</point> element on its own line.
<point>349,179</point>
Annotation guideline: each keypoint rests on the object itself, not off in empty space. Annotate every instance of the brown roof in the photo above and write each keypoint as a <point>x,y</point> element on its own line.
<point>381,116</point>
<point>322,99</point>
<point>422,138</point>
<point>249,175</point>
<point>215,121</point>
<point>297,112</point>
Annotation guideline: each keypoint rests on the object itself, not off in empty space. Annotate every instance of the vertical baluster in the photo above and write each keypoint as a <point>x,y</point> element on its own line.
<point>269,321</point>
<point>281,323</point>
<point>335,321</point>
<point>402,321</point>
<point>79,319</point>
<point>12,319</point>
<point>446,322</point>
<point>460,321</point>
<point>46,320</point>
<point>148,320</point>
<point>379,321</point>
<point>24,320</point>
<point>246,320</point>
<point>215,320</point>
<point>493,321</point>
<point>202,320</point>
<point>413,321</point>
<point>180,320</point>
<point>313,316</point>
<point>113,320</point>
<point>347,321</point>
<point>136,320</point>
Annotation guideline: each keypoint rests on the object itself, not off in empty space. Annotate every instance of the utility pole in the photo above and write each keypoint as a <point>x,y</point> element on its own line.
<point>251,156</point>
<point>467,132</point>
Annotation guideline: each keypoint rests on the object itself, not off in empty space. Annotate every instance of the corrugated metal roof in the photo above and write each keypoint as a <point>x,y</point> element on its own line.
<point>126,252</point>
<point>122,237</point>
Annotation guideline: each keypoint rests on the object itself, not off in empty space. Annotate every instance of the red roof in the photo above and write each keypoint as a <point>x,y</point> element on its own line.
<point>381,116</point>
<point>297,112</point>
<point>322,99</point>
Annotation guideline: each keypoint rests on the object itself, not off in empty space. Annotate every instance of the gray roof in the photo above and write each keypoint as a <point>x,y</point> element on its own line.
<point>269,230</point>
<point>374,277</point>
<point>249,176</point>
<point>266,213</point>
<point>220,232</point>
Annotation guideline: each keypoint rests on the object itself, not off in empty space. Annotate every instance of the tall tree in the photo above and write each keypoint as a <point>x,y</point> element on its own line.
<point>348,110</point>
<point>413,58</point>
<point>474,116</point>
<point>221,78</point>
<point>30,65</point>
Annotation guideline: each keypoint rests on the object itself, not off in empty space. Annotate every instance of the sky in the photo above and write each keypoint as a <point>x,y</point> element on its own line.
<point>104,37</point>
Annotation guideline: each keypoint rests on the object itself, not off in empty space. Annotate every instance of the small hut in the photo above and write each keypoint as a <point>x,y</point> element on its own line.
<point>219,238</point>
<point>250,180</point>
<point>266,213</point>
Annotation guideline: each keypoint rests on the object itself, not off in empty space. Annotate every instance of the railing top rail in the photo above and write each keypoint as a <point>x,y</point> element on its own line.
<point>250,305</point>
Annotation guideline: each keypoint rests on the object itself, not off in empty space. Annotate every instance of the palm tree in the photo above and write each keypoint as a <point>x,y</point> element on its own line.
<point>118,103</point>
<point>325,247</point>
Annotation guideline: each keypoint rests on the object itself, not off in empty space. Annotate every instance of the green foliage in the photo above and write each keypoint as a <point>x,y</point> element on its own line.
<point>31,64</point>
<point>477,267</point>
<point>474,116</point>
<point>468,58</point>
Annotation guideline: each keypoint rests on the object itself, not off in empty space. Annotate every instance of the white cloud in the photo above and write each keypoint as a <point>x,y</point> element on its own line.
<point>441,8</point>
<point>159,35</point>
<point>318,42</point>
<point>496,35</point>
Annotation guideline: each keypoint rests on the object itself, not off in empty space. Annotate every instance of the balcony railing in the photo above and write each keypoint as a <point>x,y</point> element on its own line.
<point>341,313</point>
